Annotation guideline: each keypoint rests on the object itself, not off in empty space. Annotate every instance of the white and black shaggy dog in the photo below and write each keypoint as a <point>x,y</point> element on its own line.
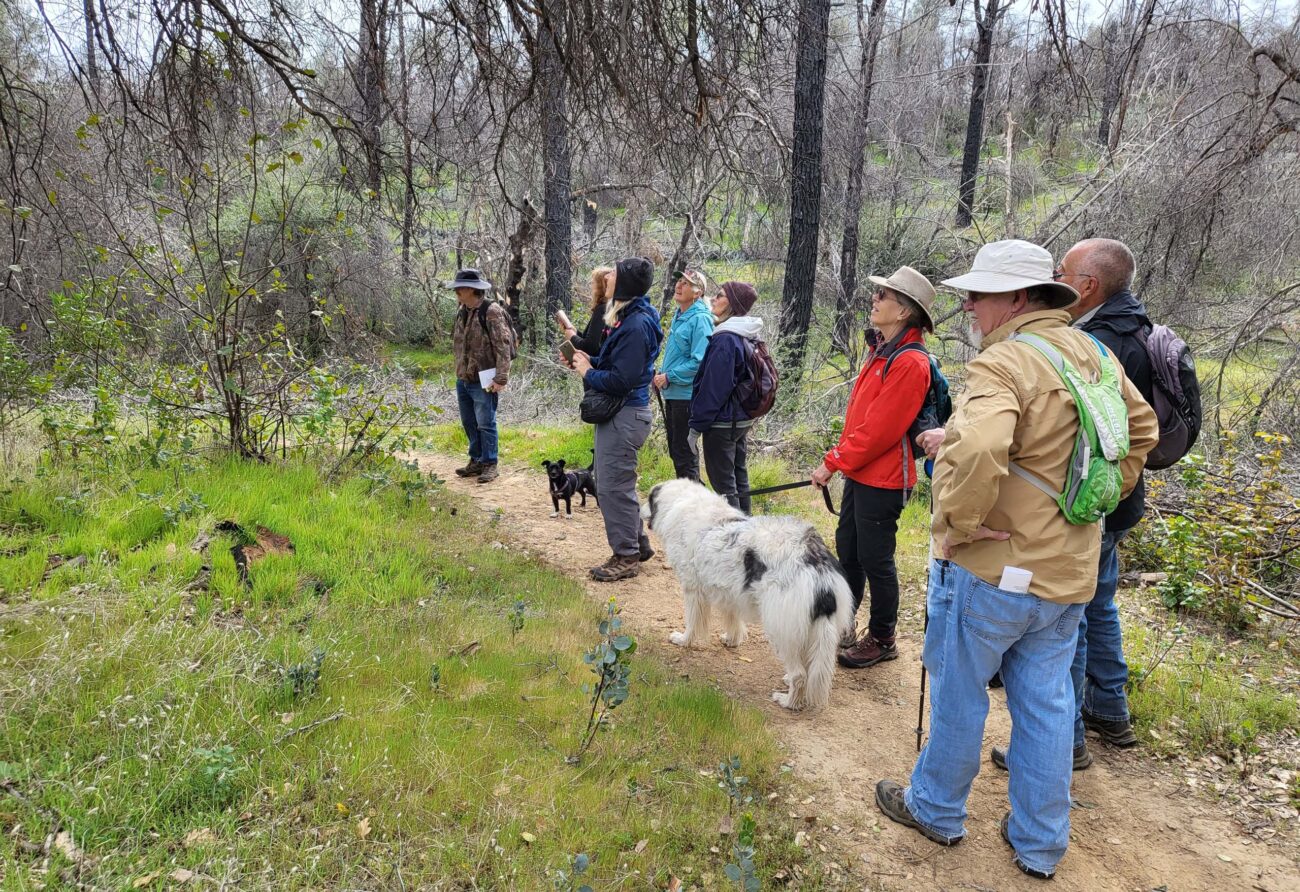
<point>773,570</point>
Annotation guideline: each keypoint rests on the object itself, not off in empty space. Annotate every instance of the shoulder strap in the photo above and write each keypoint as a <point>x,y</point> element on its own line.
<point>1015,468</point>
<point>1044,347</point>
<point>905,348</point>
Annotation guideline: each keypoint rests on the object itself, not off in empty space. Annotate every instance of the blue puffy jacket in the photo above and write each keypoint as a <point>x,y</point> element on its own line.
<point>687,340</point>
<point>724,366</point>
<point>627,360</point>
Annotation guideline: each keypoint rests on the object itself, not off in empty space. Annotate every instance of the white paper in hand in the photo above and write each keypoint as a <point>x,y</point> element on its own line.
<point>486,377</point>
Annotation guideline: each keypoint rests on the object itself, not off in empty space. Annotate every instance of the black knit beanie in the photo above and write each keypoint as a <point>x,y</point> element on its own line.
<point>635,276</point>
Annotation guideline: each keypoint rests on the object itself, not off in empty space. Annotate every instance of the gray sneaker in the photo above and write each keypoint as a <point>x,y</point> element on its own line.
<point>1082,758</point>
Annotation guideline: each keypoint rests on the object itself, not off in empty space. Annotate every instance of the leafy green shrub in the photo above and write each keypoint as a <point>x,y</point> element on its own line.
<point>214,777</point>
<point>1223,533</point>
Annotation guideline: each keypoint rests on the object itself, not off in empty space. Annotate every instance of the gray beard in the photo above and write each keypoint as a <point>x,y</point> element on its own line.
<point>976,336</point>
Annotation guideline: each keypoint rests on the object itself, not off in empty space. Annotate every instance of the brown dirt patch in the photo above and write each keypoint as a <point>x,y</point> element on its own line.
<point>1137,829</point>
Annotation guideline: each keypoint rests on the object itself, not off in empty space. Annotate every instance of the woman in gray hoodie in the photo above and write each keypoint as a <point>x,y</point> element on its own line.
<point>716,412</point>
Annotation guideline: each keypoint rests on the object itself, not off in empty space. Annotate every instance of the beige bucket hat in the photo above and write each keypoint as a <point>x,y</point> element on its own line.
<point>911,284</point>
<point>1011,265</point>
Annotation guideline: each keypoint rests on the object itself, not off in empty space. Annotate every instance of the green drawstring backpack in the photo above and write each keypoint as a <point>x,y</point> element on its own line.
<point>1093,481</point>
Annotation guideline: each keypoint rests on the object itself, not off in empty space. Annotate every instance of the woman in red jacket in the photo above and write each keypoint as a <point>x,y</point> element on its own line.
<point>875,456</point>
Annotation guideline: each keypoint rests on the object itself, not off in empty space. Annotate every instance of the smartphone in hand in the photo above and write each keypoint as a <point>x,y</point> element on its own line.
<point>562,318</point>
<point>566,349</point>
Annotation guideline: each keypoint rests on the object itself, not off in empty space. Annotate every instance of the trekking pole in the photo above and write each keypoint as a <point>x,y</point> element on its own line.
<point>925,625</point>
<point>920,707</point>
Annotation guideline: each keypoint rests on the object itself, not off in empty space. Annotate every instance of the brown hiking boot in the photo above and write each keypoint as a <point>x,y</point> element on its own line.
<point>488,473</point>
<point>473,469</point>
<point>619,566</point>
<point>868,652</point>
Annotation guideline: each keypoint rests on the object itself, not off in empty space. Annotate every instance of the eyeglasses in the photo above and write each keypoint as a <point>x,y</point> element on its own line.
<point>1058,274</point>
<point>883,294</point>
<point>970,299</point>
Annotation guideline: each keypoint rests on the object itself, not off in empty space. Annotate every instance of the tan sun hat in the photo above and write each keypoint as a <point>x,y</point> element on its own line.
<point>911,284</point>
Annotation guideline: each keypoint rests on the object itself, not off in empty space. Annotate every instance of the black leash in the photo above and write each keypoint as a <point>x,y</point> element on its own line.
<point>826,493</point>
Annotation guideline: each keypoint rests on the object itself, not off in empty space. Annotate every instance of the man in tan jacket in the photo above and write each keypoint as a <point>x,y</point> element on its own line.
<point>1011,575</point>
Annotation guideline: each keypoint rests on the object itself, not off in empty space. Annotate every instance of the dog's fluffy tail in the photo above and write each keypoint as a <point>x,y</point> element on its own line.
<point>823,639</point>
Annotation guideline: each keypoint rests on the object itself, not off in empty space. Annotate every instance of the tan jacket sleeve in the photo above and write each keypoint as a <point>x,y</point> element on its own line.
<point>974,457</point>
<point>1143,432</point>
<point>502,338</point>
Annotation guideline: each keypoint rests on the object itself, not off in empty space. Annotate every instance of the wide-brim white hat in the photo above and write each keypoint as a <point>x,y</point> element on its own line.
<point>1013,264</point>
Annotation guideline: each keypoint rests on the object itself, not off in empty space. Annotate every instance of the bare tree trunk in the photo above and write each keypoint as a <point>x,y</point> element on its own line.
<point>408,157</point>
<point>677,265</point>
<point>370,85</point>
<point>92,62</point>
<point>555,157</point>
<point>1140,29</point>
<point>805,180</point>
<point>1112,71</point>
<point>513,288</point>
<point>846,306</point>
<point>986,22</point>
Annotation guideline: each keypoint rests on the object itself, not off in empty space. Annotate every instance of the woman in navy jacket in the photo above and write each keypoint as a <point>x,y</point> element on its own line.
<point>624,368</point>
<point>716,412</point>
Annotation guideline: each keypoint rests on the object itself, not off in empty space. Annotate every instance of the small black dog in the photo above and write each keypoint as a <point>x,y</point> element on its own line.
<point>567,484</point>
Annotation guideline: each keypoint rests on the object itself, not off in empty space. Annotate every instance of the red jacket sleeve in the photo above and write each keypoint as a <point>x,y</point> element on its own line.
<point>875,426</point>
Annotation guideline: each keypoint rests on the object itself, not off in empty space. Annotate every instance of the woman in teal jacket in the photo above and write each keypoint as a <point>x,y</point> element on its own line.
<point>687,341</point>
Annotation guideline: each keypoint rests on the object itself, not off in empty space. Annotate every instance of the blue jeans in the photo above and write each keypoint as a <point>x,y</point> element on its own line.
<point>478,415</point>
<point>975,627</point>
<point>1099,671</point>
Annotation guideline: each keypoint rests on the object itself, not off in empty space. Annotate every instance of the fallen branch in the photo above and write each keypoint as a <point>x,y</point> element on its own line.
<point>311,726</point>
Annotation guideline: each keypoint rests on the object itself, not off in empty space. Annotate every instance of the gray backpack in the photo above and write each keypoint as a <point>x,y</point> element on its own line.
<point>1176,395</point>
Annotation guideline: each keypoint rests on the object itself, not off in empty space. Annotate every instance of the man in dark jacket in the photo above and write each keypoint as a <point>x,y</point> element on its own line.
<point>482,341</point>
<point>1101,270</point>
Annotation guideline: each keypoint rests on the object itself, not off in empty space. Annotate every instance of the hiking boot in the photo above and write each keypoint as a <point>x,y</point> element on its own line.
<point>619,566</point>
<point>1024,868</point>
<point>889,799</point>
<point>473,469</point>
<point>489,472</point>
<point>1082,758</point>
<point>1115,733</point>
<point>646,552</point>
<point>868,651</point>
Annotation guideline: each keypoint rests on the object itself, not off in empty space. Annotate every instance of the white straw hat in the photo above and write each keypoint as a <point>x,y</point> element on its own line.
<point>1011,265</point>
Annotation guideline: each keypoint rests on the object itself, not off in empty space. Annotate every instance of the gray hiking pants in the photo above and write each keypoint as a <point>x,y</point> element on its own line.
<point>617,443</point>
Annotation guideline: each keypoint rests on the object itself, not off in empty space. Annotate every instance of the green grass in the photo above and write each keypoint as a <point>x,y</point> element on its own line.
<point>1193,694</point>
<point>152,715</point>
<point>427,363</point>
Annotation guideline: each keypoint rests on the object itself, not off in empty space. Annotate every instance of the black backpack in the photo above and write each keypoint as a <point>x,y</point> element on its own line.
<point>937,407</point>
<point>1176,395</point>
<point>482,320</point>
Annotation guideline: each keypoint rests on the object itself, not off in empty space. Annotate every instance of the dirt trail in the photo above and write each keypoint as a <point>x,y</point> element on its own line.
<point>1137,829</point>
